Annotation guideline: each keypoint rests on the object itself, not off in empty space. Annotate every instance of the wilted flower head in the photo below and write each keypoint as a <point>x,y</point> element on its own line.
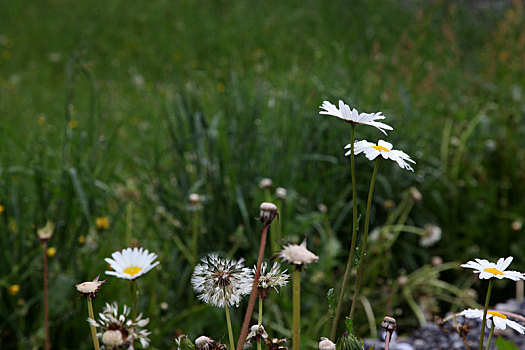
<point>383,148</point>
<point>221,282</point>
<point>257,333</point>
<point>297,254</point>
<point>206,343</point>
<point>326,344</point>
<point>353,116</point>
<point>45,233</point>
<point>265,183</point>
<point>487,269</point>
<point>276,343</point>
<point>131,263</point>
<point>500,320</point>
<point>431,236</point>
<point>270,279</point>
<point>89,289</point>
<point>268,213</point>
<point>119,332</point>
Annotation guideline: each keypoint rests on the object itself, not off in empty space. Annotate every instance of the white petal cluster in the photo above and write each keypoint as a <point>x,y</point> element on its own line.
<point>383,148</point>
<point>272,278</point>
<point>353,116</point>
<point>500,321</point>
<point>221,282</point>
<point>117,330</point>
<point>487,269</point>
<point>131,263</point>
<point>297,254</point>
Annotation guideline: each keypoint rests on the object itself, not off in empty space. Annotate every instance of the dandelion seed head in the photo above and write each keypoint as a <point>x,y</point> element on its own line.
<point>297,254</point>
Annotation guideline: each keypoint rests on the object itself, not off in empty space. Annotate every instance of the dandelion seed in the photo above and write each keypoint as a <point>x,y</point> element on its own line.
<point>221,282</point>
<point>90,288</point>
<point>353,116</point>
<point>131,263</point>
<point>487,269</point>
<point>500,320</point>
<point>384,149</point>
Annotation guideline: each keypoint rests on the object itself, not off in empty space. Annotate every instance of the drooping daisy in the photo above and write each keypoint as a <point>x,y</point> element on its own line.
<point>270,279</point>
<point>487,269</point>
<point>500,320</point>
<point>221,282</point>
<point>89,289</point>
<point>353,116</point>
<point>383,148</point>
<point>297,255</point>
<point>117,331</point>
<point>131,263</point>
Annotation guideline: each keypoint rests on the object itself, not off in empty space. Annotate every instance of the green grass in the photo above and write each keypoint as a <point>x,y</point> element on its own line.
<point>196,96</point>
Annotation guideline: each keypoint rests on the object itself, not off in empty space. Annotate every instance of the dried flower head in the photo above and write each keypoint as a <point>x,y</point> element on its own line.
<point>268,213</point>
<point>280,193</point>
<point>221,282</point>
<point>131,263</point>
<point>206,343</point>
<point>257,333</point>
<point>119,332</point>
<point>195,201</point>
<point>89,289</point>
<point>272,278</point>
<point>326,344</point>
<point>276,343</point>
<point>389,324</point>
<point>297,254</point>
<point>431,236</point>
<point>265,183</point>
<point>184,343</point>
<point>45,233</point>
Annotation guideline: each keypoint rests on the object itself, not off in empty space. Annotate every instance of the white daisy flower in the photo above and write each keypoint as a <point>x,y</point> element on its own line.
<point>297,254</point>
<point>221,282</point>
<point>487,269</point>
<point>500,320</point>
<point>353,116</point>
<point>117,331</point>
<point>131,263</point>
<point>383,148</point>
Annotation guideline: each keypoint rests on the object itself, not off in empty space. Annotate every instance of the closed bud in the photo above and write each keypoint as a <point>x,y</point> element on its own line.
<point>185,343</point>
<point>268,213</point>
<point>349,342</point>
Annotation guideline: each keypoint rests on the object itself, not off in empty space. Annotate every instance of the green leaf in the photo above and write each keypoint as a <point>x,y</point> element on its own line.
<point>331,303</point>
<point>502,344</point>
<point>349,324</point>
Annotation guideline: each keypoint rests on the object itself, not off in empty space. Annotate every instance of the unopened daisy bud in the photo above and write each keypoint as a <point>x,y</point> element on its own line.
<point>402,280</point>
<point>184,343</point>
<point>350,342</point>
<point>257,333</point>
<point>389,324</point>
<point>268,213</point>
<point>46,232</point>
<point>436,261</point>
<point>204,343</point>
<point>112,339</point>
<point>90,288</point>
<point>326,344</point>
<point>265,183</point>
<point>280,193</point>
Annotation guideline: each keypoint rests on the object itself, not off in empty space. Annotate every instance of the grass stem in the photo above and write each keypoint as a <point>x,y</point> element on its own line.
<point>46,297</point>
<point>296,297</point>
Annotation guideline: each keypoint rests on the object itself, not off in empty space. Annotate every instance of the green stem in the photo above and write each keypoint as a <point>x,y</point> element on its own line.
<point>129,221</point>
<point>365,240</point>
<point>195,233</point>
<point>230,331</point>
<point>490,336</point>
<point>135,298</point>
<point>354,237</point>
<point>296,297</point>
<point>46,298</point>
<point>93,330</point>
<point>487,299</point>
<point>259,320</point>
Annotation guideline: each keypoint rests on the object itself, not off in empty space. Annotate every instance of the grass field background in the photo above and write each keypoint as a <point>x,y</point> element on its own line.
<point>121,109</point>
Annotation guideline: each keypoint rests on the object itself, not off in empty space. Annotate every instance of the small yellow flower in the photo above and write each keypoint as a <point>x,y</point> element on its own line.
<point>81,239</point>
<point>20,302</point>
<point>41,121</point>
<point>14,289</point>
<point>220,87</point>
<point>2,209</point>
<point>51,251</point>
<point>73,123</point>
<point>102,223</point>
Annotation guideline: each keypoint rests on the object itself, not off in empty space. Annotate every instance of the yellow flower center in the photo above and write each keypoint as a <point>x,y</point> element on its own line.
<point>381,148</point>
<point>132,270</point>
<point>495,313</point>
<point>493,271</point>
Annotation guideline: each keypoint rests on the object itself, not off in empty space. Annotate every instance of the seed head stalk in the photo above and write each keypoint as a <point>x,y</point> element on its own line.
<point>93,330</point>
<point>253,293</point>
<point>259,320</point>
<point>354,237</point>
<point>365,240</point>
<point>230,331</point>
<point>296,297</point>
<point>46,296</point>
<point>487,299</point>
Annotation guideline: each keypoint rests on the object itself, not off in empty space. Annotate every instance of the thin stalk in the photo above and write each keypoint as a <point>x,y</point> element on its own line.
<point>365,240</point>
<point>230,331</point>
<point>195,233</point>
<point>490,336</point>
<point>487,299</point>
<point>387,341</point>
<point>93,330</point>
<point>135,298</point>
<point>254,292</point>
<point>354,238</point>
<point>296,297</point>
<point>129,221</point>
<point>259,320</point>
<point>46,297</point>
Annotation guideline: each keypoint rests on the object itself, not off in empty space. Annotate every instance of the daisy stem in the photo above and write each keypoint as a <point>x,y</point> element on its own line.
<point>46,297</point>
<point>490,336</point>
<point>365,240</point>
<point>354,237</point>
<point>93,330</point>
<point>230,331</point>
<point>259,321</point>
<point>487,299</point>
<point>254,292</point>
<point>296,297</point>
<point>135,298</point>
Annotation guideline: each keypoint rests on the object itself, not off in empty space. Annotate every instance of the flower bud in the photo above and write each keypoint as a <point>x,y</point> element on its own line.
<point>350,342</point>
<point>268,213</point>
<point>280,193</point>
<point>326,344</point>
